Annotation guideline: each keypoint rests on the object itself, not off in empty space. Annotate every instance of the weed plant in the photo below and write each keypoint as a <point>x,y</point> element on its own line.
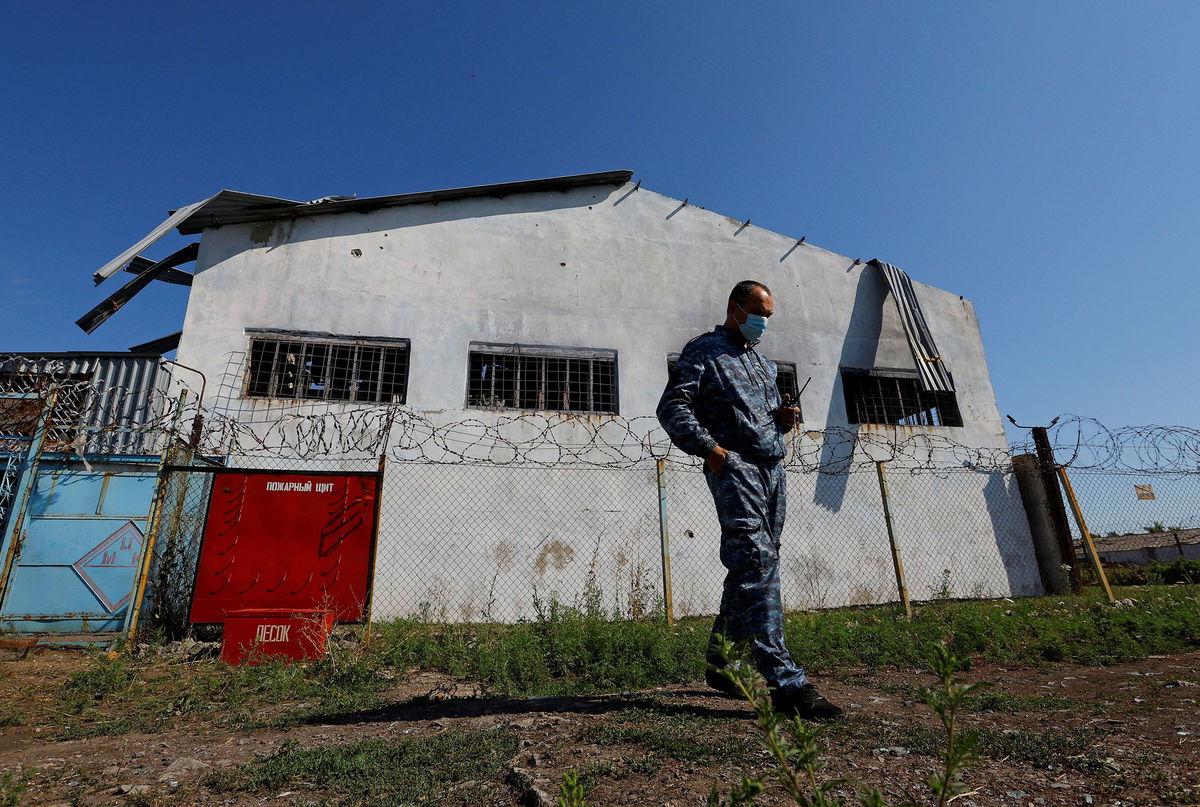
<point>12,787</point>
<point>571,651</point>
<point>583,651</point>
<point>564,650</point>
<point>570,791</point>
<point>795,745</point>
<point>665,731</point>
<point>117,694</point>
<point>377,771</point>
<point>1183,570</point>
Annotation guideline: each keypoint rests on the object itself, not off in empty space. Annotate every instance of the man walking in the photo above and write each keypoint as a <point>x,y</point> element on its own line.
<point>721,404</point>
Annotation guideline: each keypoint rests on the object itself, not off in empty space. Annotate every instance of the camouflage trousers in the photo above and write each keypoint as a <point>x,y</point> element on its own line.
<point>751,500</point>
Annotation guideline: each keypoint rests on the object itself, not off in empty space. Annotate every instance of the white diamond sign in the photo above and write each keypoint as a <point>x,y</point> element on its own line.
<point>107,568</point>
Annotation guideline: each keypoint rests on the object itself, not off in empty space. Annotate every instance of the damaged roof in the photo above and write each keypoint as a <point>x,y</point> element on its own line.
<point>341,204</point>
<point>235,207</point>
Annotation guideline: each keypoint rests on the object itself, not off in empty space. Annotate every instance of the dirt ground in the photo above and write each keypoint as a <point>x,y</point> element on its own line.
<point>1065,735</point>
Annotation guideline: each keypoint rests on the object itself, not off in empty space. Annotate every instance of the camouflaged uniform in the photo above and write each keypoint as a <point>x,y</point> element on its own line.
<point>721,393</point>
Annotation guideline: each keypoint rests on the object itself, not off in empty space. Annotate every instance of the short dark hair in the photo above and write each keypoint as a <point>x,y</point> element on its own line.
<point>743,290</point>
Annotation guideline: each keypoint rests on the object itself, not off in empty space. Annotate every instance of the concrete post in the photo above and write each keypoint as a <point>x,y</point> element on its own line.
<point>1058,510</point>
<point>1042,524</point>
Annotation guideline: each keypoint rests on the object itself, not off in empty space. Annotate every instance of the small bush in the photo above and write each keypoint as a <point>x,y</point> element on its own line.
<point>1125,575</point>
<point>1183,570</point>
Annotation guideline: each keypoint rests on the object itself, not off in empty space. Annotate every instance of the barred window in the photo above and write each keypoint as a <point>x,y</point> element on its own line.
<point>328,368</point>
<point>895,397</point>
<point>548,378</point>
<point>785,381</point>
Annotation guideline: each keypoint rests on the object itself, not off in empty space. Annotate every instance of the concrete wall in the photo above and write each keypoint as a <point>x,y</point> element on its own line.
<point>600,267</point>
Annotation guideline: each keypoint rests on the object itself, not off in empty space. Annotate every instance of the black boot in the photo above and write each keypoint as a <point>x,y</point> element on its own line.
<point>722,684</point>
<point>805,702</point>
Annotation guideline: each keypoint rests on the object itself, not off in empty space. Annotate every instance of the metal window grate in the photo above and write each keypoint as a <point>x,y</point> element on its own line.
<point>552,380</point>
<point>877,398</point>
<point>327,370</point>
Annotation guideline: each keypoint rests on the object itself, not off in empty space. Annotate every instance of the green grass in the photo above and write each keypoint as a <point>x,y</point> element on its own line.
<point>682,736</point>
<point>565,652</point>
<point>373,772</point>
<point>11,716</point>
<point>569,652</point>
<point>1057,748</point>
<point>119,695</point>
<point>1083,629</point>
<point>12,786</point>
<point>992,700</point>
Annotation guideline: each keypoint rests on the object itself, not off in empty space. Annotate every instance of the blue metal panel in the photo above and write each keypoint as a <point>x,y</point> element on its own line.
<point>80,550</point>
<point>60,541</point>
<point>75,494</point>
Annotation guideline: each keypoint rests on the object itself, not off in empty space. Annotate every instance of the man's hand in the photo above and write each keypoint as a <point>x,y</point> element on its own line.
<point>716,460</point>
<point>787,416</point>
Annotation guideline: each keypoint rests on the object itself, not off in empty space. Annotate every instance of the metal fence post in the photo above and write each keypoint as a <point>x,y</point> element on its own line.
<point>897,563</point>
<point>153,526</point>
<point>665,540</point>
<point>1084,534</point>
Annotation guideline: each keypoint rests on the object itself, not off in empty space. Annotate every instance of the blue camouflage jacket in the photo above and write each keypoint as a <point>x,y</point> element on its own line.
<point>721,393</point>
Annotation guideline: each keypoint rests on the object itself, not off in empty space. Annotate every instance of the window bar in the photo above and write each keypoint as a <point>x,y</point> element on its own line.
<point>488,362</point>
<point>355,380</point>
<point>591,385</point>
<point>379,376</point>
<point>275,374</point>
<point>542,369</point>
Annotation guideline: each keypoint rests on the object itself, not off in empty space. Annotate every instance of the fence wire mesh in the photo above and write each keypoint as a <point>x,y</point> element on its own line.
<point>1139,519</point>
<point>492,516</point>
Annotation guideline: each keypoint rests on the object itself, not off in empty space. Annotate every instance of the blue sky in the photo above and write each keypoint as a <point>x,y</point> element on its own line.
<point>1038,158</point>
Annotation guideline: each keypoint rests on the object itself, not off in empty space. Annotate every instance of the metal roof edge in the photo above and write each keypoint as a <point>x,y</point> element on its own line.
<point>34,355</point>
<point>197,223</point>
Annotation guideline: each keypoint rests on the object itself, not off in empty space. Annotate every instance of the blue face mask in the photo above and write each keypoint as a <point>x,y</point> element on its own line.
<point>754,326</point>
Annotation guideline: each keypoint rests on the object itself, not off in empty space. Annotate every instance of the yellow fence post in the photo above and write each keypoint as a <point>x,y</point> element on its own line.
<point>665,541</point>
<point>1084,535</point>
<point>897,563</point>
<point>152,527</point>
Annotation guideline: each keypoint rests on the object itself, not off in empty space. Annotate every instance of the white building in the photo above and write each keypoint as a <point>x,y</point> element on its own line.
<point>473,305</point>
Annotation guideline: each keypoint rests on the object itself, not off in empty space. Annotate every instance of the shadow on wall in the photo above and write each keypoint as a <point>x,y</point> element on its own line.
<point>859,347</point>
<point>1011,530</point>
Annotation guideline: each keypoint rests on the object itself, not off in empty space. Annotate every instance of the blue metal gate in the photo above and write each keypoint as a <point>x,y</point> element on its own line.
<point>78,548</point>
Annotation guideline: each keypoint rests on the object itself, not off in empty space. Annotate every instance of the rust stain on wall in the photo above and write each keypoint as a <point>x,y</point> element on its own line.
<point>556,554</point>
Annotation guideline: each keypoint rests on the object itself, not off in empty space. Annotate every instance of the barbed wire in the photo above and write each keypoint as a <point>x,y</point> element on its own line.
<point>87,418</point>
<point>1085,444</point>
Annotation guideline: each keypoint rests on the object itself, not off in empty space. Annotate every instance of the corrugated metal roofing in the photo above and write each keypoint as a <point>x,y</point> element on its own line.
<point>122,392</point>
<point>205,217</point>
<point>233,207</point>
<point>1145,540</point>
<point>222,202</point>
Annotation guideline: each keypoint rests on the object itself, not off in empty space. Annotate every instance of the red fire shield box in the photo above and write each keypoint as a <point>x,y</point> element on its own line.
<point>291,541</point>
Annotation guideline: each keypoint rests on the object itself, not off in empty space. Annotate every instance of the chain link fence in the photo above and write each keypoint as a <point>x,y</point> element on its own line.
<point>1139,519</point>
<point>484,543</point>
<point>498,516</point>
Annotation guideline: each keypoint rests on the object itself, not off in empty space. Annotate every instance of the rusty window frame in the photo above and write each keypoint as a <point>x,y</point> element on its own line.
<point>327,367</point>
<point>894,397</point>
<point>544,378</point>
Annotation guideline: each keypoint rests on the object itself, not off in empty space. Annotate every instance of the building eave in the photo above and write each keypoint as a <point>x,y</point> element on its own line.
<point>204,217</point>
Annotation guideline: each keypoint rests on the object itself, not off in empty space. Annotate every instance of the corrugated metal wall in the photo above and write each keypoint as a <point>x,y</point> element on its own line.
<point>112,397</point>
